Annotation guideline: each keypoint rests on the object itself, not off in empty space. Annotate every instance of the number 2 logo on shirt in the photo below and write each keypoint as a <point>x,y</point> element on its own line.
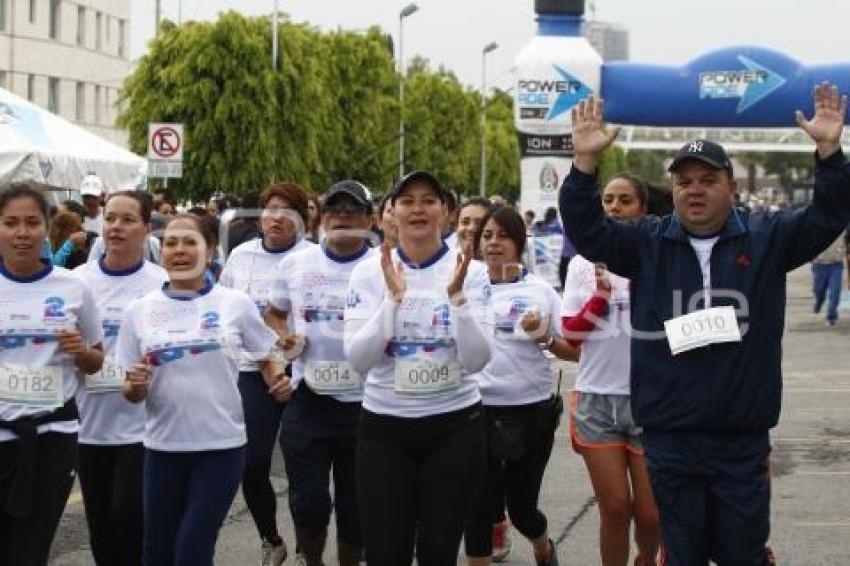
<point>209,320</point>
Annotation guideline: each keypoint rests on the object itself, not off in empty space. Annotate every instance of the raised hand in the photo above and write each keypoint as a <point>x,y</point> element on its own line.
<point>393,275</point>
<point>455,286</point>
<point>826,125</point>
<point>589,137</point>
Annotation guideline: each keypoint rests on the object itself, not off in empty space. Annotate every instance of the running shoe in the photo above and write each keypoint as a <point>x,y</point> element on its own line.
<point>273,554</point>
<point>501,542</point>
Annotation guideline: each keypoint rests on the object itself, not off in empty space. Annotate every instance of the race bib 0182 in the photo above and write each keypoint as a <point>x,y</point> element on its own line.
<point>31,386</point>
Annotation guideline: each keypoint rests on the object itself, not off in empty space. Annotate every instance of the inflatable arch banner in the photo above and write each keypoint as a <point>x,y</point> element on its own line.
<point>734,87</point>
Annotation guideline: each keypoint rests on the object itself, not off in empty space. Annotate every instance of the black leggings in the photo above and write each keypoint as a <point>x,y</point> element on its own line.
<point>26,542</point>
<point>111,481</point>
<point>515,481</point>
<point>262,421</point>
<point>415,483</point>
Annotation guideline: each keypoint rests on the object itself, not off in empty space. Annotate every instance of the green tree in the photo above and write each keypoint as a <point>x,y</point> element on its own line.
<point>361,131</point>
<point>613,161</point>
<point>442,129</point>
<point>502,147</point>
<point>648,165</point>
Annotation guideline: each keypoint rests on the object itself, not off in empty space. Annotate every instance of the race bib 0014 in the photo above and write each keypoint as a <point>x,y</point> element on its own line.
<point>31,386</point>
<point>426,377</point>
<point>109,378</point>
<point>331,377</point>
<point>701,328</point>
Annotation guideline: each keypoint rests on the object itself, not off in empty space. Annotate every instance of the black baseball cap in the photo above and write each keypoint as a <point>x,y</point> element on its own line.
<point>354,189</point>
<point>421,178</point>
<point>706,151</point>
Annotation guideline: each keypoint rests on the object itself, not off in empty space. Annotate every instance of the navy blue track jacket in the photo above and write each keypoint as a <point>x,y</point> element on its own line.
<point>721,387</point>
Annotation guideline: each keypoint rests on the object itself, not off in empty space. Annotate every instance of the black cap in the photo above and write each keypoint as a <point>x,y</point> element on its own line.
<point>420,177</point>
<point>566,7</point>
<point>354,189</point>
<point>703,150</point>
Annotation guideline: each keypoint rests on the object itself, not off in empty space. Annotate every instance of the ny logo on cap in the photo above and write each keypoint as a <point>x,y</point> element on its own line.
<point>695,147</point>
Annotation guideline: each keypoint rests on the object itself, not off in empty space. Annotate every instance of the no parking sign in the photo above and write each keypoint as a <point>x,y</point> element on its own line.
<point>165,150</point>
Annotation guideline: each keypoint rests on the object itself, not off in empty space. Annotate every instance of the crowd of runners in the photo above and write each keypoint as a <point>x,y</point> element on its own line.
<point>399,350</point>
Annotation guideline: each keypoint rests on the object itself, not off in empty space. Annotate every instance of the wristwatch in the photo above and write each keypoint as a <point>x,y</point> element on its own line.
<point>548,343</point>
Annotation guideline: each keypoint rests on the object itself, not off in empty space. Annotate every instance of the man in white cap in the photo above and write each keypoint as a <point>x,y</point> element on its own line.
<point>91,191</point>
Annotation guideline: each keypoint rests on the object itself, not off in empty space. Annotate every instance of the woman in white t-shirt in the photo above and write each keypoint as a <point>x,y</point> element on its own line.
<point>596,316</point>
<point>414,325</point>
<point>111,428</point>
<point>181,346</point>
<point>516,391</point>
<point>253,267</point>
<point>49,331</point>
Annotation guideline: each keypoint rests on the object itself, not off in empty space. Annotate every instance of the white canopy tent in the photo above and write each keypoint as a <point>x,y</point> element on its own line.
<point>39,146</point>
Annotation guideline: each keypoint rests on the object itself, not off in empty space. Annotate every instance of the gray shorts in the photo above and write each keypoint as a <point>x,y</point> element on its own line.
<point>603,421</point>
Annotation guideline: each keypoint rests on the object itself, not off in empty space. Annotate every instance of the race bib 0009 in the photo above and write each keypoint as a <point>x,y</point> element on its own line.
<point>425,377</point>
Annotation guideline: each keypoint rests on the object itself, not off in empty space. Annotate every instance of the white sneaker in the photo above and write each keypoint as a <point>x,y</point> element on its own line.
<point>273,555</point>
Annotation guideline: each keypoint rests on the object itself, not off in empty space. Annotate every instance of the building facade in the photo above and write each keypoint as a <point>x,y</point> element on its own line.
<point>610,40</point>
<point>68,56</point>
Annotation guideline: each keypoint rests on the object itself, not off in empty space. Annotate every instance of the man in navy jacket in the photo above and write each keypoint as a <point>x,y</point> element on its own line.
<point>708,308</point>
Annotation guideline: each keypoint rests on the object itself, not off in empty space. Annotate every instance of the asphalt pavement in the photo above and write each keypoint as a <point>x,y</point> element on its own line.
<point>810,467</point>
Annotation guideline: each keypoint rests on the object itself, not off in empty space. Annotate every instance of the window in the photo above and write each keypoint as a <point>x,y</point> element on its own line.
<point>31,88</point>
<point>122,37</point>
<point>81,102</point>
<point>53,94</point>
<point>98,30</point>
<point>33,10</point>
<point>108,26</point>
<point>3,15</point>
<point>53,27</point>
<point>97,104</point>
<point>4,77</point>
<point>81,25</point>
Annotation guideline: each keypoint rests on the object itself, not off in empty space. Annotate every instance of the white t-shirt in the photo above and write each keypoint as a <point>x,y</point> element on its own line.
<point>253,269</point>
<point>152,250</point>
<point>106,417</point>
<point>519,372</point>
<point>32,311</point>
<point>605,362</point>
<point>702,247</point>
<point>423,328</point>
<point>193,402</point>
<point>312,287</point>
<point>94,224</point>
<point>452,241</point>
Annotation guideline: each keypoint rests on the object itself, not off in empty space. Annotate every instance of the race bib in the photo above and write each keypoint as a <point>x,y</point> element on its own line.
<point>109,378</point>
<point>331,377</point>
<point>31,386</point>
<point>701,328</point>
<point>425,377</point>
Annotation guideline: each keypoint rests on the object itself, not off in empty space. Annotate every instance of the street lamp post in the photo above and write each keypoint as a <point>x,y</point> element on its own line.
<point>406,11</point>
<point>492,46</point>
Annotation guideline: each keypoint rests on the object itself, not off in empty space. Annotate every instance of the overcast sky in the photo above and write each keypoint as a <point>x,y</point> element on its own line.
<point>453,32</point>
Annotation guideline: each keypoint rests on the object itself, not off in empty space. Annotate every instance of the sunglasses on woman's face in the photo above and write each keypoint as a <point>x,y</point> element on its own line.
<point>345,207</point>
